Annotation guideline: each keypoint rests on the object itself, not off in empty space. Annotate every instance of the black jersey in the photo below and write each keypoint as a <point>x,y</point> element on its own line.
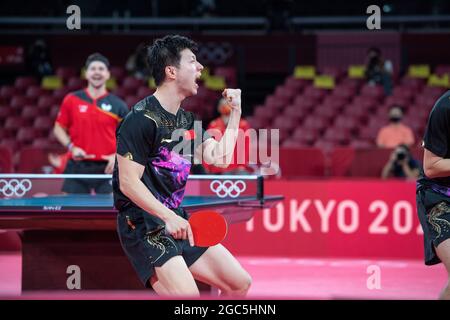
<point>162,142</point>
<point>437,136</point>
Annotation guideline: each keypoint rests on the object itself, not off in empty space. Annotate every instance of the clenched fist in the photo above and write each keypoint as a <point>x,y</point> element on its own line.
<point>233,97</point>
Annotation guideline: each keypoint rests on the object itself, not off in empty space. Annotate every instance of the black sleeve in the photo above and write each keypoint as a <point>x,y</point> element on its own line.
<point>437,132</point>
<point>123,110</point>
<point>135,138</point>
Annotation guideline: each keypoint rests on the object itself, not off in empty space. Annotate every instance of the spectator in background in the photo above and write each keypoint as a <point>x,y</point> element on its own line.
<point>137,64</point>
<point>39,59</point>
<point>395,133</point>
<point>379,71</point>
<point>219,125</point>
<point>401,164</point>
<point>86,125</point>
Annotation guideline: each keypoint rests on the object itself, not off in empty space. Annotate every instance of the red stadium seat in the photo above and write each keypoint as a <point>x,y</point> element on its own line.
<point>325,111</point>
<point>404,92</point>
<point>74,84</point>
<point>130,101</point>
<point>229,73</point>
<point>356,112</point>
<point>346,122</point>
<point>295,113</point>
<point>303,101</point>
<point>424,100</point>
<point>296,84</point>
<point>32,160</point>
<point>22,83</point>
<point>29,112</point>
<point>369,133</point>
<point>366,102</point>
<point>335,72</point>
<point>10,143</point>
<point>344,91</point>
<point>338,136</point>
<point>59,94</point>
<point>123,92</point>
<point>66,73</point>
<point>43,123</point>
<point>15,123</point>
<point>376,92</point>
<point>18,102</point>
<point>285,94</point>
<point>283,122</point>
<point>305,136</point>
<point>132,83</point>
<point>257,123</point>
<point>362,144</point>
<point>118,72</point>
<point>315,123</point>
<point>54,110</point>
<point>7,92</point>
<point>27,135</point>
<point>34,92</point>
<point>6,162</point>
<point>43,143</point>
<point>46,101</point>
<point>275,103</point>
<point>413,83</point>
<point>311,162</point>
<point>434,92</point>
<point>144,92</point>
<point>6,112</point>
<point>355,83</point>
<point>315,93</point>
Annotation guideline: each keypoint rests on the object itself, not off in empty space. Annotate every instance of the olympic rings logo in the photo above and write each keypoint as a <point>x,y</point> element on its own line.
<point>228,188</point>
<point>214,53</point>
<point>15,187</point>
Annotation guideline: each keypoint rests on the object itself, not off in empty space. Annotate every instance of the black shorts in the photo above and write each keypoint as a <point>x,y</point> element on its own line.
<point>146,244</point>
<point>433,209</point>
<point>86,185</point>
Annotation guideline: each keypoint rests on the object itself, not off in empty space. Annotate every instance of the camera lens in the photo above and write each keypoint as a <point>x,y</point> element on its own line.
<point>401,156</point>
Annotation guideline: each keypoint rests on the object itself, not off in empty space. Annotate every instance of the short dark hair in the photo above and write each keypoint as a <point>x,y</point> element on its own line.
<point>165,52</point>
<point>96,57</point>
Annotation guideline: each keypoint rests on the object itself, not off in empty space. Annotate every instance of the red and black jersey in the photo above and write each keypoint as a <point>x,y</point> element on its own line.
<point>91,123</point>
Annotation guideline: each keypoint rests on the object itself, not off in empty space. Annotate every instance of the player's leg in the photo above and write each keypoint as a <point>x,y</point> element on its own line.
<point>217,267</point>
<point>443,251</point>
<point>174,278</point>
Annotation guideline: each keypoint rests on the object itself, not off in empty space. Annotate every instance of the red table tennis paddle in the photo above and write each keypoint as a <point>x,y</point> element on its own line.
<point>208,228</point>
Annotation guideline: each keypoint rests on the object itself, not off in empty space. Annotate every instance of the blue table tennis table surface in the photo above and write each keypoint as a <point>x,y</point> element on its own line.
<point>98,203</point>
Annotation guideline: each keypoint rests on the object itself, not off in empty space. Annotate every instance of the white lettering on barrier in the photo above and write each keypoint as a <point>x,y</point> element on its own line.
<point>402,211</point>
<point>353,208</point>
<point>325,213</point>
<point>347,217</point>
<point>382,209</point>
<point>279,219</point>
<point>297,216</point>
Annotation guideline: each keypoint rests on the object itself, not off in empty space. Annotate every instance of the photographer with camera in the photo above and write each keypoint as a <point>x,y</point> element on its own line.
<point>401,164</point>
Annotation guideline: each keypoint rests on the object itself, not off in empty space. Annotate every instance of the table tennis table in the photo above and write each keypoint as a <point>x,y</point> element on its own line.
<point>62,230</point>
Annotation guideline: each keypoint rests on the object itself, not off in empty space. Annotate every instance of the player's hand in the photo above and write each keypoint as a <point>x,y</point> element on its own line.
<point>111,160</point>
<point>179,228</point>
<point>233,97</point>
<point>80,154</point>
